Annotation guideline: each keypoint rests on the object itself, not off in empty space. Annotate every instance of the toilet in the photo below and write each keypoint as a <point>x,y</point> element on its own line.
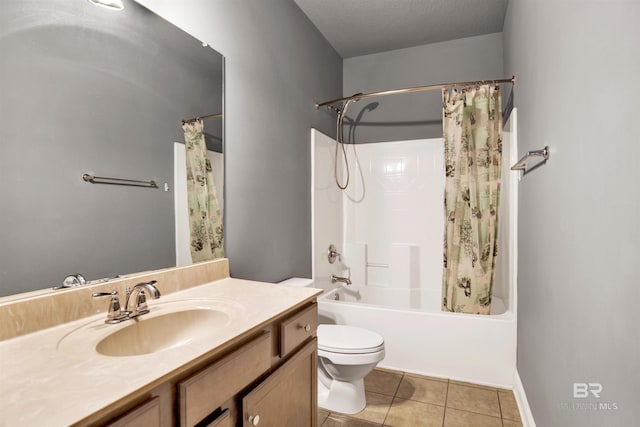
<point>346,354</point>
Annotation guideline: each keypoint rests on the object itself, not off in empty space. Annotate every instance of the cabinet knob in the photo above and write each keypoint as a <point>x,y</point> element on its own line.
<point>306,327</point>
<point>254,420</point>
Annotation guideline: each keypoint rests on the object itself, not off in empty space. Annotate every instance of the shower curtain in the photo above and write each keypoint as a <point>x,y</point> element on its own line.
<point>473,158</point>
<point>205,219</point>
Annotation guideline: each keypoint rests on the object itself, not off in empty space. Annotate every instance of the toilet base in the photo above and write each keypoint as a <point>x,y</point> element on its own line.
<point>341,396</point>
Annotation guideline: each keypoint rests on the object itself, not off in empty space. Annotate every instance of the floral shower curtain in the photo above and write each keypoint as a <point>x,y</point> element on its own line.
<point>473,158</point>
<point>205,219</point>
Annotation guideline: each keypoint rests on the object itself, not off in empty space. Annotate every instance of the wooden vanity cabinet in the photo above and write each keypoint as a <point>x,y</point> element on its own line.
<point>288,397</point>
<point>268,378</point>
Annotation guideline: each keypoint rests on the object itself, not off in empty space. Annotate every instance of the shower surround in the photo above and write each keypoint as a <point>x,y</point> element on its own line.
<point>388,226</point>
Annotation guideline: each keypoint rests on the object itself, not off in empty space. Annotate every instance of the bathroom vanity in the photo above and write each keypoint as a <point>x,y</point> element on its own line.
<point>268,378</point>
<point>226,352</point>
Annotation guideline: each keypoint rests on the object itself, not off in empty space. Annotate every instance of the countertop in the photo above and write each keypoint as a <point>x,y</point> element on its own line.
<point>44,381</point>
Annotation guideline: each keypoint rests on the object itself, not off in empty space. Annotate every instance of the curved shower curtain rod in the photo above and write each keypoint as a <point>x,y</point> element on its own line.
<point>359,96</point>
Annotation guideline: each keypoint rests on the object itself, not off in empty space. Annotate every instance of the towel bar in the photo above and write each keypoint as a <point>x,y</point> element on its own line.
<point>521,164</point>
<point>118,181</point>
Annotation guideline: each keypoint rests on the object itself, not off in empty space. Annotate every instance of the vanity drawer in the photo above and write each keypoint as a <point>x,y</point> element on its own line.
<point>204,392</point>
<point>145,415</point>
<point>298,328</point>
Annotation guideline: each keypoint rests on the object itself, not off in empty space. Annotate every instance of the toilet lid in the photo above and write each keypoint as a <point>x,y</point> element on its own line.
<point>348,339</point>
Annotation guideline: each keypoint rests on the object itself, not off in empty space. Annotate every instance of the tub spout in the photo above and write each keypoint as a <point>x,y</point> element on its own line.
<point>345,280</point>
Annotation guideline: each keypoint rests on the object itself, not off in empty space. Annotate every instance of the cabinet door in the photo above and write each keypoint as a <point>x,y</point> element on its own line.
<point>288,397</point>
<point>222,420</point>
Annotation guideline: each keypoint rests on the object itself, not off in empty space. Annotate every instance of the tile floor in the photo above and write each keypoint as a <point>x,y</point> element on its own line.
<point>407,400</point>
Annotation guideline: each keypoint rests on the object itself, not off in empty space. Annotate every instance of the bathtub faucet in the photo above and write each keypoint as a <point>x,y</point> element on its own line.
<point>344,280</point>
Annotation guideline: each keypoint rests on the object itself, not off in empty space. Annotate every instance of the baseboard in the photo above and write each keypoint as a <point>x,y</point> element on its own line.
<point>523,403</point>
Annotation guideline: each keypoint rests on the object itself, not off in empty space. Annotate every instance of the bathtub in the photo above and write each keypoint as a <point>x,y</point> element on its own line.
<point>419,338</point>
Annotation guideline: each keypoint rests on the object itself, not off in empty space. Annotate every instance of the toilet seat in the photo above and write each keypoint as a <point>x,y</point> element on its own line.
<point>342,339</point>
<point>352,359</point>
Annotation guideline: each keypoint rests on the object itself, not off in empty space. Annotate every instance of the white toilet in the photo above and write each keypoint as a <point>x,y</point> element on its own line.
<point>345,356</point>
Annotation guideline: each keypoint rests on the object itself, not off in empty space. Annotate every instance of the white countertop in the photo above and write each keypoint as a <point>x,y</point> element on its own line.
<point>42,384</point>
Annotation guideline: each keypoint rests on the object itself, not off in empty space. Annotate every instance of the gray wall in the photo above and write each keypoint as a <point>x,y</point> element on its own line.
<point>577,65</point>
<point>415,115</point>
<point>89,90</point>
<point>277,67</point>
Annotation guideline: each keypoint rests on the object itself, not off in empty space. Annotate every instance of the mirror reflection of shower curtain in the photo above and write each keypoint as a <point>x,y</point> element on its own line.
<point>473,157</point>
<point>205,219</point>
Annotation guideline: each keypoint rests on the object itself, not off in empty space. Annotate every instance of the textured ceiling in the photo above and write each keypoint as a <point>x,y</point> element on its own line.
<point>361,27</point>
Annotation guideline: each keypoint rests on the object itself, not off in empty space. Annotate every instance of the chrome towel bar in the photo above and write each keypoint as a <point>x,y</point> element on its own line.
<point>521,165</point>
<point>118,181</point>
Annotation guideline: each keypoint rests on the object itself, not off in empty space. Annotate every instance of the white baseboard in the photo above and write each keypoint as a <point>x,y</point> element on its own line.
<point>523,403</point>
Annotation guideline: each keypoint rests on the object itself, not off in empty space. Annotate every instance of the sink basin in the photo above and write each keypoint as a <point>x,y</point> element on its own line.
<point>150,335</point>
<point>169,325</point>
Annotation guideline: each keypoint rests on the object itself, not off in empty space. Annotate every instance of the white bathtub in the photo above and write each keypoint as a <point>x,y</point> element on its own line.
<point>420,338</point>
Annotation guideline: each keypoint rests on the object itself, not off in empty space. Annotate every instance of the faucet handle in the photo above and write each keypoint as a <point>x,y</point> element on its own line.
<point>332,254</point>
<point>104,294</point>
<point>141,304</point>
<point>115,314</point>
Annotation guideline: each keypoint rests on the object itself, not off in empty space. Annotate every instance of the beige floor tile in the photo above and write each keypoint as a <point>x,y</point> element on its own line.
<point>376,409</point>
<point>423,390</point>
<point>405,413</point>
<point>322,415</point>
<point>391,371</point>
<point>473,399</point>
<point>508,406</point>
<point>383,382</point>
<point>338,420</point>
<point>444,380</point>
<point>511,423</point>
<point>485,387</point>
<point>457,418</point>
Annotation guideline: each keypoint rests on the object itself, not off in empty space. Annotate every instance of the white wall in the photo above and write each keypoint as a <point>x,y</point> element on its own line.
<point>326,207</point>
<point>577,65</point>
<point>393,207</point>
<point>505,279</point>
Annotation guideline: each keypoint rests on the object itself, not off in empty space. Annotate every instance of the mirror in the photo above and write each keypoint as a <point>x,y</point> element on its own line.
<point>90,90</point>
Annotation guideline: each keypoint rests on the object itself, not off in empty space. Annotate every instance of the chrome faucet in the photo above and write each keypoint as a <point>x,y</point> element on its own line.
<point>115,314</point>
<point>136,299</point>
<point>136,304</point>
<point>72,281</point>
<point>345,280</point>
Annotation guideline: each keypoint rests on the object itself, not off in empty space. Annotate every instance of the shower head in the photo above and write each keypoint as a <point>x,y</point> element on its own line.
<point>108,4</point>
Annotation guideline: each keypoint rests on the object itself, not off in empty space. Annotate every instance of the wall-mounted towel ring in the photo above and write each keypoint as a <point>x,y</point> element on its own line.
<point>521,165</point>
